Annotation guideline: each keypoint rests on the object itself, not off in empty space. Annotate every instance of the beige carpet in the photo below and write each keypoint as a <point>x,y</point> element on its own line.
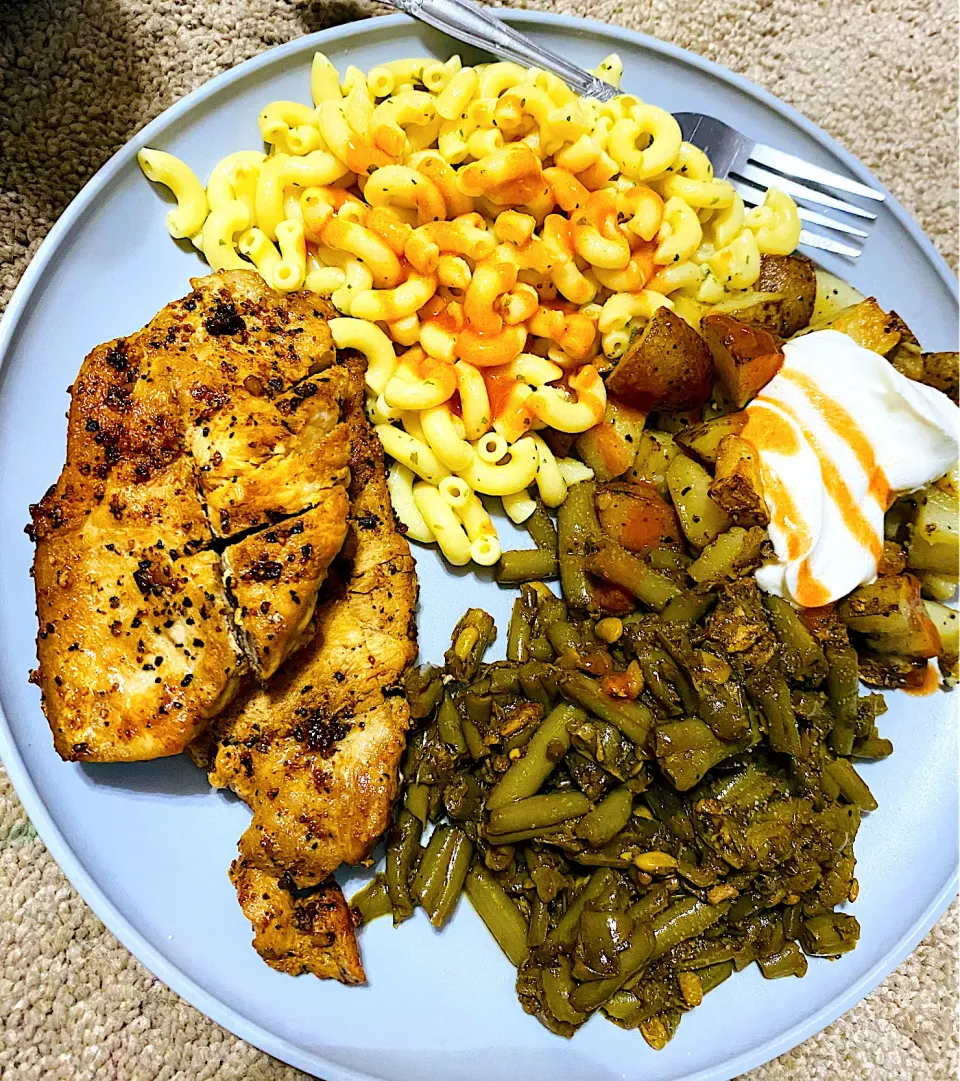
<point>77,79</point>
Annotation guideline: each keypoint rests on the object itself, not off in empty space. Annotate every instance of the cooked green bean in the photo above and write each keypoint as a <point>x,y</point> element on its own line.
<point>539,922</point>
<point>687,749</point>
<point>549,744</point>
<point>458,851</point>
<point>535,812</point>
<point>564,637</point>
<point>372,900</point>
<point>540,649</point>
<point>558,989</point>
<point>632,718</point>
<point>469,641</point>
<point>788,961</point>
<point>526,565</point>
<point>577,526</point>
<point>423,686</point>
<point>843,680</point>
<point>590,996</point>
<point>520,629</point>
<point>721,706</point>
<point>541,528</point>
<point>622,568</point>
<point>403,850</point>
<point>474,740</point>
<point>873,748</point>
<point>448,724</point>
<point>799,652</point>
<point>416,799</point>
<point>714,975</point>
<point>852,786</point>
<point>428,883</point>
<point>686,608</point>
<point>829,935</point>
<point>478,707</point>
<point>771,693</point>
<point>607,819</point>
<point>498,912</point>
<point>687,918</point>
<point>601,881</point>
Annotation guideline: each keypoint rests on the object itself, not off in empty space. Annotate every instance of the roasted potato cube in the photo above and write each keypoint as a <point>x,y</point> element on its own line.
<point>636,517</point>
<point>869,325</point>
<point>756,308</point>
<point>883,607</point>
<point>668,367</point>
<point>938,587</point>
<point>610,447</point>
<point>703,440</point>
<point>833,295</point>
<point>746,357</point>
<point>731,553</point>
<point>890,672</point>
<point>947,622</point>
<point>893,560</point>
<point>737,486</point>
<point>920,640</point>
<point>701,519</point>
<point>935,541</point>
<point>655,452</point>
<point>794,277</point>
<point>942,371</point>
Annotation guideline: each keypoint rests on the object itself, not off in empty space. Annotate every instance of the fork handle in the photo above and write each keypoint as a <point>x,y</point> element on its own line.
<point>468,22</point>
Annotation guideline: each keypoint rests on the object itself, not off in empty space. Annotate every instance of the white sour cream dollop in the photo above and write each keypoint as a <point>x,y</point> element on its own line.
<point>840,432</point>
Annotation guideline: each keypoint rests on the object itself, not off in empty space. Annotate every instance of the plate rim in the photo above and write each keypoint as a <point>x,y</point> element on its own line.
<point>90,891</point>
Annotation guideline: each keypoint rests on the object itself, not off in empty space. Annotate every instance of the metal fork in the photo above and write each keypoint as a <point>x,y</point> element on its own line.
<point>751,167</point>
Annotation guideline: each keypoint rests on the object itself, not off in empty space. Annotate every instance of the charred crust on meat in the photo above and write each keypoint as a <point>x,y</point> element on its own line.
<point>224,320</point>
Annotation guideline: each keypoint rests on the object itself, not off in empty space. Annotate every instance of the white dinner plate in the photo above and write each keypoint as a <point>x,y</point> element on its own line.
<point>148,845</point>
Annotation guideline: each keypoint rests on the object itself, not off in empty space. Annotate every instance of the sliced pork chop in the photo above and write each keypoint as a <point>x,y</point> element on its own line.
<point>139,642</point>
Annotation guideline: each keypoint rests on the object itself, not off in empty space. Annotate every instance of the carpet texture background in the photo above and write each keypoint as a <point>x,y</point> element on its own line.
<point>77,79</point>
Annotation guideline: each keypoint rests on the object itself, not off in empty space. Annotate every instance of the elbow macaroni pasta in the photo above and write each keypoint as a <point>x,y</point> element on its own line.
<point>491,243</point>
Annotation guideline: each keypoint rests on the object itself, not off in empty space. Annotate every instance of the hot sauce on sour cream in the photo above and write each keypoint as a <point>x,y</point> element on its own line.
<point>839,433</point>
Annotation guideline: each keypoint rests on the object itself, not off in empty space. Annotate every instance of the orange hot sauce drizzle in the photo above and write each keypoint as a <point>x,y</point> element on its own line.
<point>767,430</point>
<point>931,682</point>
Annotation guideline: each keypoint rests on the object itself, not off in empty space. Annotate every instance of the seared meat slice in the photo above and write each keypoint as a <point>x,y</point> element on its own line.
<point>316,752</point>
<point>138,643</point>
<point>310,931</point>
<point>137,649</point>
<point>273,458</point>
<point>274,575</point>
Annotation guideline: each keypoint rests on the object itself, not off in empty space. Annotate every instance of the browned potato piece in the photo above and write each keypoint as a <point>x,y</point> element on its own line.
<point>703,440</point>
<point>869,325</point>
<point>892,673</point>
<point>654,454</point>
<point>753,307</point>
<point>892,615</point>
<point>701,518</point>
<point>893,560</point>
<point>737,486</point>
<point>746,357</point>
<point>610,447</point>
<point>833,295</point>
<point>668,367</point>
<point>635,516</point>
<point>920,640</point>
<point>942,370</point>
<point>794,277</point>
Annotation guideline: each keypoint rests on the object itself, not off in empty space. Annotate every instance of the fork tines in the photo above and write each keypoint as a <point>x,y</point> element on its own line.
<point>752,168</point>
